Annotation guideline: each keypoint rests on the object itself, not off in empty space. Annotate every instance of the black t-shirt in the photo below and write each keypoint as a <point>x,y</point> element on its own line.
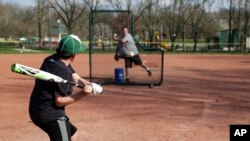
<point>42,106</point>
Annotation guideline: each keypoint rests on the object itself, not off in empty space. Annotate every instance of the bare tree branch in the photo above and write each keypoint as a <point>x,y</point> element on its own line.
<point>69,11</point>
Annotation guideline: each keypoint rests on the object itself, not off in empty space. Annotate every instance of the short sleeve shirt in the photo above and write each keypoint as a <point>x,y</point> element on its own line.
<point>129,43</point>
<point>42,106</point>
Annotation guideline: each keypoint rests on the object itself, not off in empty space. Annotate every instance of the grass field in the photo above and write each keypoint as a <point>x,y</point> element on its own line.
<point>7,50</point>
<point>10,50</point>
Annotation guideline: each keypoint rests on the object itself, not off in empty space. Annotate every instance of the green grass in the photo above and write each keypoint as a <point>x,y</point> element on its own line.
<point>11,50</point>
<point>8,50</point>
<point>4,50</point>
<point>209,52</point>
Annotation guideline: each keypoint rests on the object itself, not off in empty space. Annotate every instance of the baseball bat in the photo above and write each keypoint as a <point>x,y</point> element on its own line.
<point>42,75</point>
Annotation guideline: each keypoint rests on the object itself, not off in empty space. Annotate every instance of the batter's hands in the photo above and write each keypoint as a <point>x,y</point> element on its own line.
<point>87,89</point>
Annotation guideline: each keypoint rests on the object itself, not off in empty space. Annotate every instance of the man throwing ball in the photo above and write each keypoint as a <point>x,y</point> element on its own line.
<point>127,46</point>
<point>48,100</point>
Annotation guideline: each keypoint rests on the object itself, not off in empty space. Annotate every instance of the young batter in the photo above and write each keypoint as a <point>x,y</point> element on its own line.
<point>48,100</point>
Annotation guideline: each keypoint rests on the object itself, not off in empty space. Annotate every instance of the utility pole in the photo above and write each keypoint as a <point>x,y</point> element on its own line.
<point>230,27</point>
<point>39,23</point>
<point>49,26</point>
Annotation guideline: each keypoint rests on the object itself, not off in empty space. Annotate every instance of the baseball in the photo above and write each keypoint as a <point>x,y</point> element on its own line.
<point>131,54</point>
<point>115,36</point>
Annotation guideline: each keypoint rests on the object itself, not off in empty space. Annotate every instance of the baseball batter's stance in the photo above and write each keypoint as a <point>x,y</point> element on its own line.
<point>48,99</point>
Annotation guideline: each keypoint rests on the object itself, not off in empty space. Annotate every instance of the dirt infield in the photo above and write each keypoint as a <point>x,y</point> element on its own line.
<point>200,97</point>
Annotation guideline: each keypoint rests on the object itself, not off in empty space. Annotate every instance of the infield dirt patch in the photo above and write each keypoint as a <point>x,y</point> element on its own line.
<point>200,97</point>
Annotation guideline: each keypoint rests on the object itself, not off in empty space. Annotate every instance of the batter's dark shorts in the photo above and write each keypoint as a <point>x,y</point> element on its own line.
<point>130,60</point>
<point>59,130</point>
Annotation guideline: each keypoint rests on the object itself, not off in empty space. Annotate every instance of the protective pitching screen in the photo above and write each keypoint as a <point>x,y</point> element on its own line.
<point>102,47</point>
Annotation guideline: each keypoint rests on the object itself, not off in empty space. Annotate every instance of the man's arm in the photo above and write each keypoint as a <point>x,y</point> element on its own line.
<point>124,40</point>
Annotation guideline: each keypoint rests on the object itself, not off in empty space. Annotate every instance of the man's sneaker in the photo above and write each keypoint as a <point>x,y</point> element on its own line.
<point>149,71</point>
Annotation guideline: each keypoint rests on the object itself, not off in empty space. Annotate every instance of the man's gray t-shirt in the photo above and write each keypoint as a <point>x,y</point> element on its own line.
<point>129,43</point>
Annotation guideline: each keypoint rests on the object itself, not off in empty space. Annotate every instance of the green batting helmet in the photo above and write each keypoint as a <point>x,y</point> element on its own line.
<point>69,45</point>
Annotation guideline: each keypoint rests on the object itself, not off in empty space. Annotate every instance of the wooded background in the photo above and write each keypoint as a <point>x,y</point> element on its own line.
<point>178,19</point>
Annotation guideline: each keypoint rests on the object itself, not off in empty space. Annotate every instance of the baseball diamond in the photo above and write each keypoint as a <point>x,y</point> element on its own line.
<point>201,96</point>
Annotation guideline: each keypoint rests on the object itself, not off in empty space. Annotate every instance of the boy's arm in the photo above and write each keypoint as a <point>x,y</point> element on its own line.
<point>78,79</point>
<point>66,100</point>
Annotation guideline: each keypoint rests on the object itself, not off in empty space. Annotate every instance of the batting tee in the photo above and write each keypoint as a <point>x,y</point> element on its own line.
<point>103,24</point>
